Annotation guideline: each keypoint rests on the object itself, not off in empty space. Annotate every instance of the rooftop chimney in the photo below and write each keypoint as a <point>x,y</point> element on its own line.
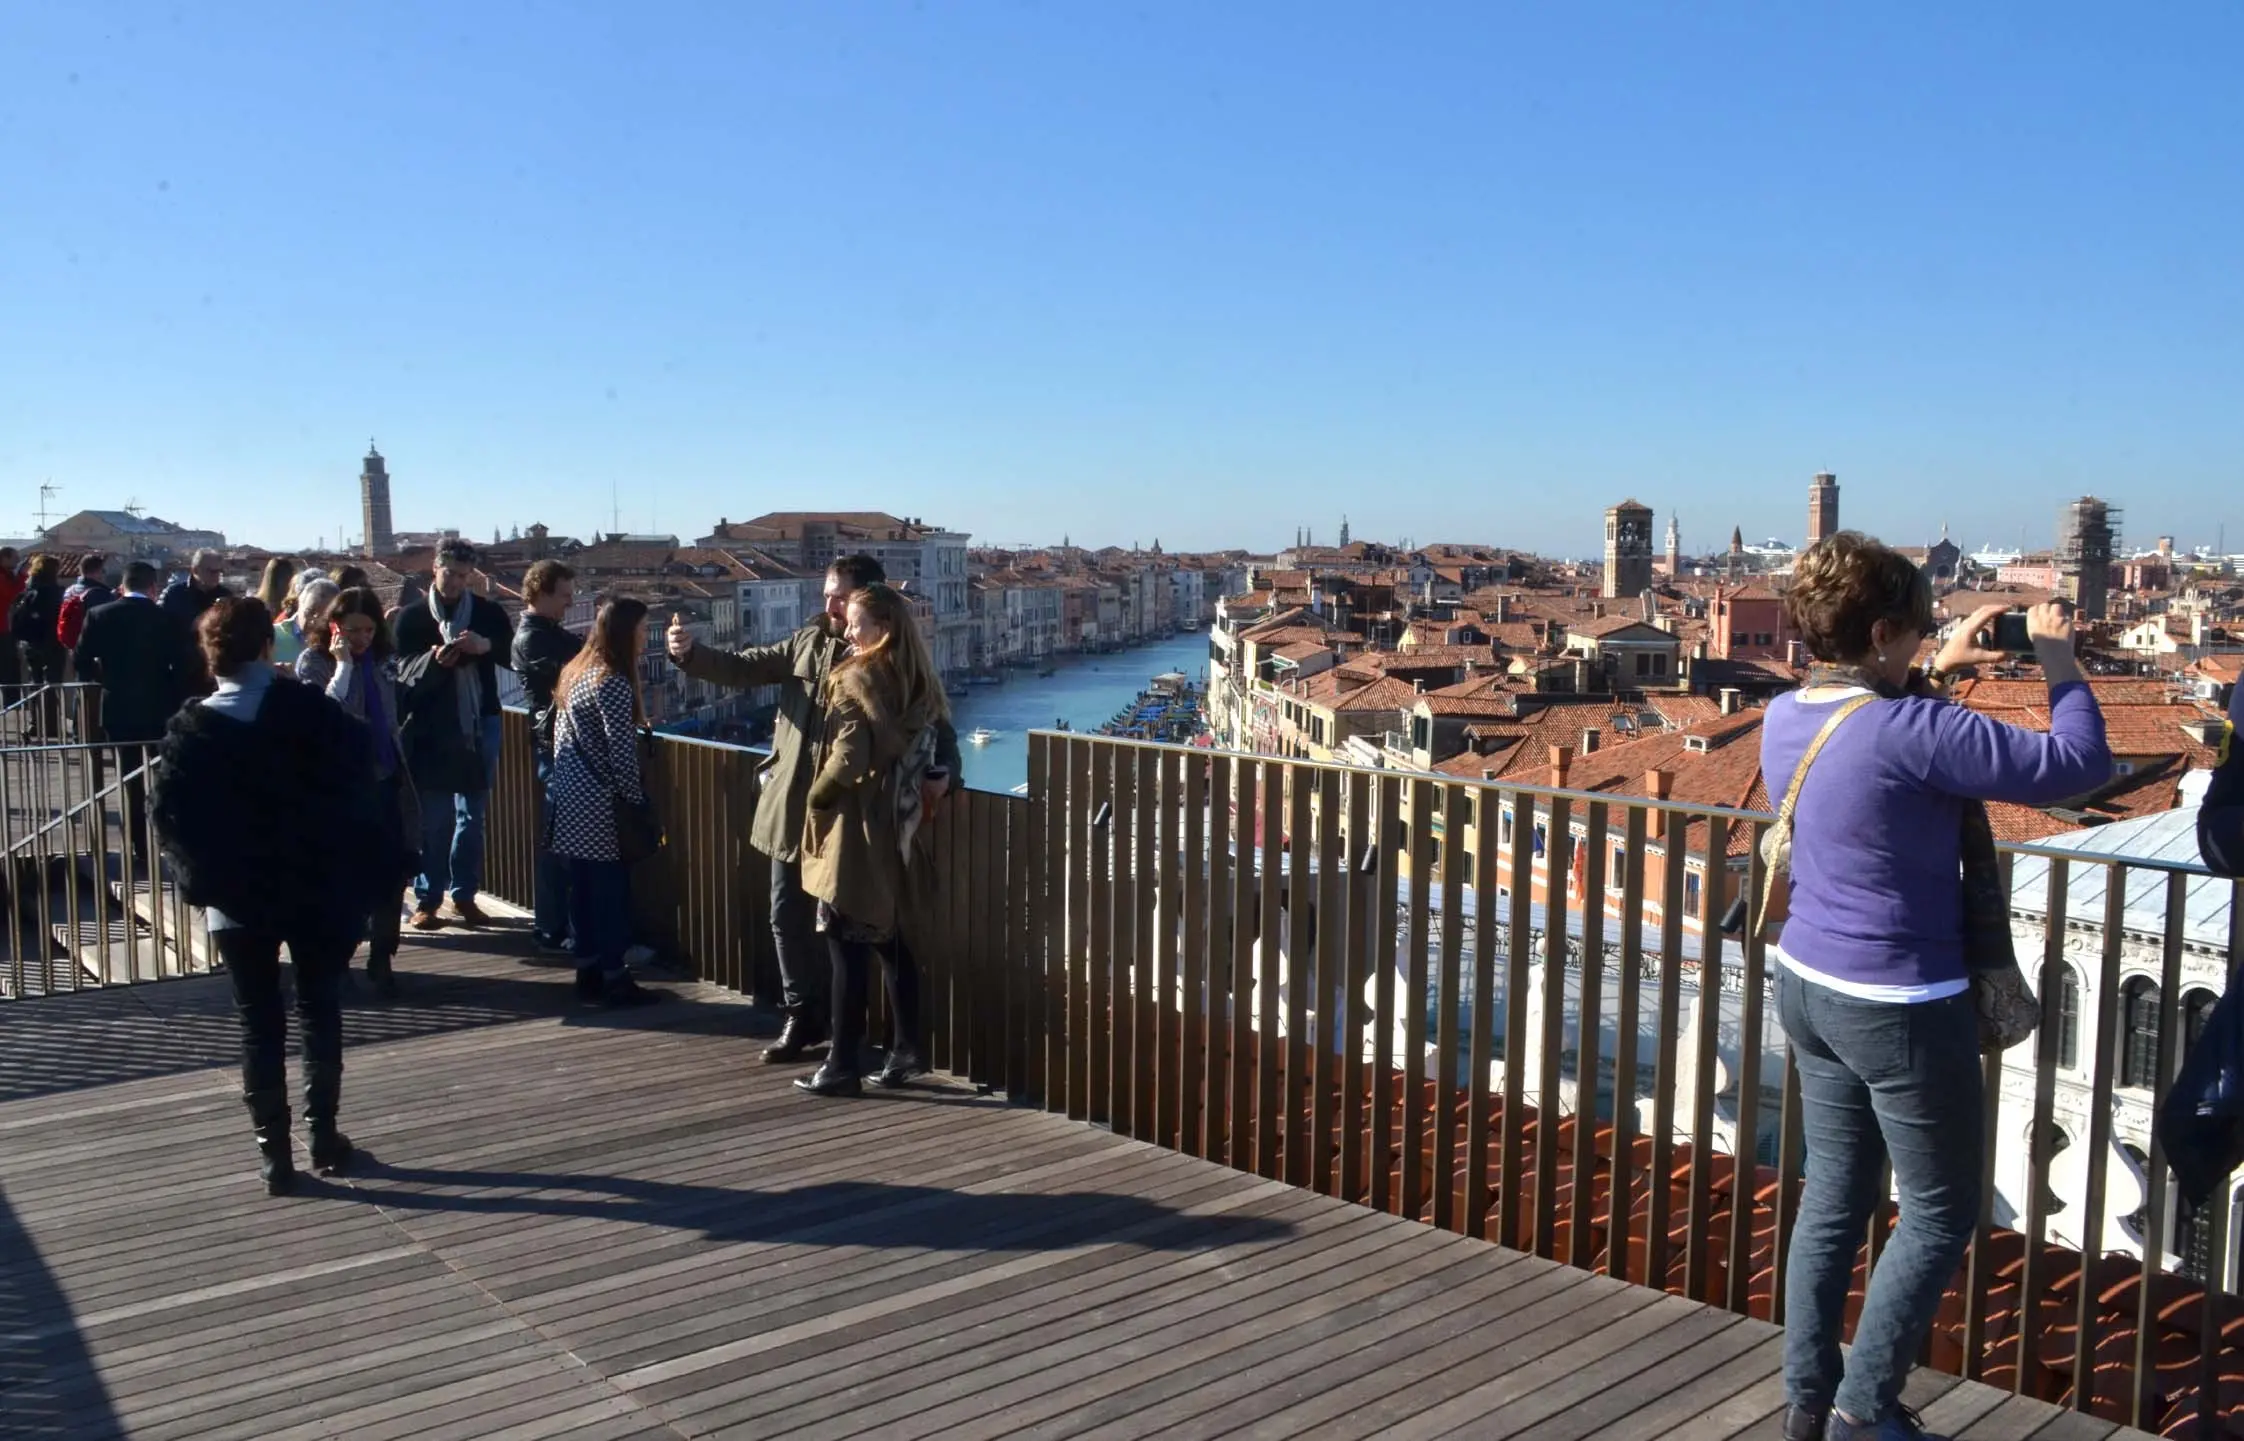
<point>1590,736</point>
<point>1503,608</point>
<point>1795,654</point>
<point>1418,686</point>
<point>1729,700</point>
<point>1658,785</point>
<point>1562,761</point>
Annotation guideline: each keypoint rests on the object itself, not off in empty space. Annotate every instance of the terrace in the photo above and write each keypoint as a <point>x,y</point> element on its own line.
<point>1156,1189</point>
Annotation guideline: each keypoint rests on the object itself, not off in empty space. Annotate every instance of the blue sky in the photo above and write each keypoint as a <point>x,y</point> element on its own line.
<point>1195,272</point>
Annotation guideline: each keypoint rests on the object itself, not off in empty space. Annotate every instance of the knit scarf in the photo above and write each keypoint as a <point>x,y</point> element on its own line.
<point>468,675</point>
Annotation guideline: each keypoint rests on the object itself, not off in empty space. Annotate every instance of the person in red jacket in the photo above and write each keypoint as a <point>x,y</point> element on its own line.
<point>80,600</point>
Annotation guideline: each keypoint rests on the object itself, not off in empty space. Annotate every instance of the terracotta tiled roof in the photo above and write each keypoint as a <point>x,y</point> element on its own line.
<point>1685,710</point>
<point>1612,625</point>
<point>1301,650</point>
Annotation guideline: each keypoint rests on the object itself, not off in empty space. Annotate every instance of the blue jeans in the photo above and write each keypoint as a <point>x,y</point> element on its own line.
<point>551,883</point>
<point>600,913</point>
<point>452,833</point>
<point>1877,1080</point>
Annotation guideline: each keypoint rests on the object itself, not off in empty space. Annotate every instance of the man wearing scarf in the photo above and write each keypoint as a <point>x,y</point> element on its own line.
<point>449,647</point>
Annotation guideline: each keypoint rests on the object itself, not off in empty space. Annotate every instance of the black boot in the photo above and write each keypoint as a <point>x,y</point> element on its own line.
<point>332,1151</point>
<point>796,1038</point>
<point>903,1064</point>
<point>268,1114</point>
<point>830,1080</point>
<point>589,984</point>
<point>381,975</point>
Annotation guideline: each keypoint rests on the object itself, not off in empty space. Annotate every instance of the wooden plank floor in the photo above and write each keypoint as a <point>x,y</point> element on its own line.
<point>592,1228</point>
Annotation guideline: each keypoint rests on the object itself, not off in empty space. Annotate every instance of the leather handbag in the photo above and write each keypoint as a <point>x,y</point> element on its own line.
<point>2008,1010</point>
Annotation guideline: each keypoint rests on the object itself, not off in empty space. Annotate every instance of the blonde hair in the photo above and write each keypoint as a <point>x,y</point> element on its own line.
<point>902,653</point>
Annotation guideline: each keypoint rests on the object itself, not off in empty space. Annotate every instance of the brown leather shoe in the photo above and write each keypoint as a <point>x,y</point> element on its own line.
<point>425,919</point>
<point>468,913</point>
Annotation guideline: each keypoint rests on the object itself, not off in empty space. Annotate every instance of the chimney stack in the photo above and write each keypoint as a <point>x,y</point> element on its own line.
<point>1795,654</point>
<point>1651,606</point>
<point>1418,687</point>
<point>1658,785</point>
<point>1589,740</point>
<point>1503,608</point>
<point>1729,700</point>
<point>1562,761</point>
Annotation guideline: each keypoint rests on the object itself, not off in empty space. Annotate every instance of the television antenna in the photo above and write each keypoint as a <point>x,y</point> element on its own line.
<point>47,491</point>
<point>134,508</point>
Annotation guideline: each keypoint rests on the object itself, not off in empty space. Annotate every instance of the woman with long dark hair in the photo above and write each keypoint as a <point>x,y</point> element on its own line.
<point>597,715</point>
<point>32,624</point>
<point>883,703</point>
<point>266,805</point>
<point>1874,988</point>
<point>360,662</point>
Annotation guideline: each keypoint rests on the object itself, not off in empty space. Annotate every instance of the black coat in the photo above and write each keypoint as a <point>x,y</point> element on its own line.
<point>541,648</point>
<point>277,822</point>
<point>146,661</point>
<point>418,634</point>
<point>441,757</point>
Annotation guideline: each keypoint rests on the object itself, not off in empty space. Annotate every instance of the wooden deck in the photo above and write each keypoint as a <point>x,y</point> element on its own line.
<point>608,1228</point>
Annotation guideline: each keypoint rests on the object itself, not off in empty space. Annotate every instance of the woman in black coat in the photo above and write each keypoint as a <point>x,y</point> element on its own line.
<point>32,625</point>
<point>266,803</point>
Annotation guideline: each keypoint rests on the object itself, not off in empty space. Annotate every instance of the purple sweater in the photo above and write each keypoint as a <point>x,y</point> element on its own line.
<point>1877,894</point>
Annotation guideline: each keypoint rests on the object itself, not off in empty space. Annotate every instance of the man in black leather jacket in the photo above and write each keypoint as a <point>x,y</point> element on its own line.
<point>542,646</point>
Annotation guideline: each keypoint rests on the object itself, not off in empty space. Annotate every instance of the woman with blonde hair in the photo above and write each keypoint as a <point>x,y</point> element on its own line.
<point>274,587</point>
<point>303,631</point>
<point>883,706</point>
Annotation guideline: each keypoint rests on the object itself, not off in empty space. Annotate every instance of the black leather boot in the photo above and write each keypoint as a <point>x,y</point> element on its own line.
<point>796,1038</point>
<point>332,1151</point>
<point>381,976</point>
<point>830,1080</point>
<point>903,1064</point>
<point>268,1117</point>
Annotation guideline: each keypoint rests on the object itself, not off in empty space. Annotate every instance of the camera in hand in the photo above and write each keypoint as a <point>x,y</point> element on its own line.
<point>2010,633</point>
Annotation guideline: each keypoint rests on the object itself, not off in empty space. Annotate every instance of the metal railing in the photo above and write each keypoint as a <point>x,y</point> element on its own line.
<point>91,901</point>
<point>1504,1010</point>
<point>1561,1054</point>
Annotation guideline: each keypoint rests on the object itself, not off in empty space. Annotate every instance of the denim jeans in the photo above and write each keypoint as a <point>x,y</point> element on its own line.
<point>1877,1080</point>
<point>600,913</point>
<point>452,832</point>
<point>804,968</point>
<point>550,900</point>
<point>451,847</point>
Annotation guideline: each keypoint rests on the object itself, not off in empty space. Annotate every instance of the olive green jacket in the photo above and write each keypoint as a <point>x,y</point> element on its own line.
<point>799,666</point>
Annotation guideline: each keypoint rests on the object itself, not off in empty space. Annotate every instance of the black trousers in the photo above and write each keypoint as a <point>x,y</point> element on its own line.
<point>803,973</point>
<point>384,922</point>
<point>253,965</point>
<point>899,974</point>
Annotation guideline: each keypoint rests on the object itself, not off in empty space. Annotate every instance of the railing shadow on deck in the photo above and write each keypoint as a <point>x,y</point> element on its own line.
<point>50,1389</point>
<point>877,1215</point>
<point>72,1042</point>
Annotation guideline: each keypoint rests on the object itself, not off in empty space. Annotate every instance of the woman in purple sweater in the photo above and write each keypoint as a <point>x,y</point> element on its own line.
<point>1872,988</point>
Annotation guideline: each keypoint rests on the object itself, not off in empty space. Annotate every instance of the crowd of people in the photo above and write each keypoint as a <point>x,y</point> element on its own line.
<point>307,752</point>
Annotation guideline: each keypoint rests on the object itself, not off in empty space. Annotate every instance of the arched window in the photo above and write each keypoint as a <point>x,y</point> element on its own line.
<point>2138,1032</point>
<point>2062,1015</point>
<point>2197,1008</point>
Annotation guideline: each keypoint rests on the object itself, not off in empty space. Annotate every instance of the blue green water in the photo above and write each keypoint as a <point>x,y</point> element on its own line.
<point>1086,692</point>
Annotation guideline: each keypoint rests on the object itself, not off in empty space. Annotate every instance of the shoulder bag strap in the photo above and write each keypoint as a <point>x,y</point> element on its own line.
<point>1792,791</point>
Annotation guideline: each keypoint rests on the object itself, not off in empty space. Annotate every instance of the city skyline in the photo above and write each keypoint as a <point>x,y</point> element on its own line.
<point>1195,275</point>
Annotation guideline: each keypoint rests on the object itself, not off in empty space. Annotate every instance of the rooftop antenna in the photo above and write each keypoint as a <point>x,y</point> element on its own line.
<point>47,491</point>
<point>134,508</point>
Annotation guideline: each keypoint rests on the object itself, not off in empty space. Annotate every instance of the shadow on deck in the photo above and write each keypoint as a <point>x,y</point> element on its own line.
<point>596,1228</point>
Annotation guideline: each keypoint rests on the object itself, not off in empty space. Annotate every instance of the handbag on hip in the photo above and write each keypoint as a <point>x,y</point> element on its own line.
<point>2008,1010</point>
